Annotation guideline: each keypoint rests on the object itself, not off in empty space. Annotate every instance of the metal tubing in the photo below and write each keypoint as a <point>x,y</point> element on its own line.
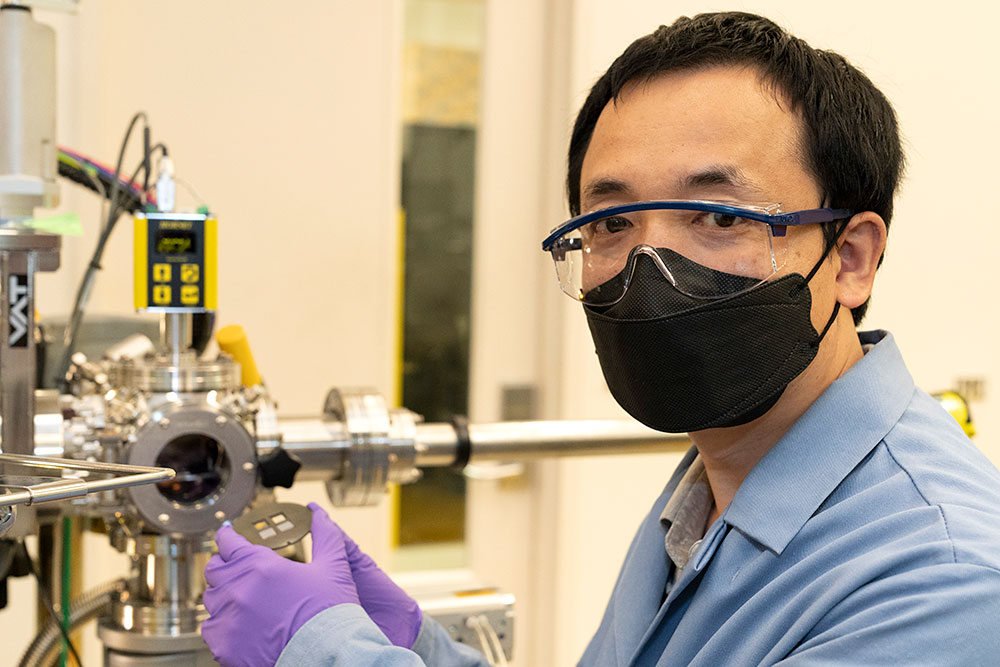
<point>88,466</point>
<point>175,335</point>
<point>320,446</point>
<point>436,445</point>
<point>521,441</point>
<point>49,425</point>
<point>66,488</point>
<point>174,579</point>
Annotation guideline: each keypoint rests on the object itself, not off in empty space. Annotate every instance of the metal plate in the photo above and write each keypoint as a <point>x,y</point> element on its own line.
<point>275,525</point>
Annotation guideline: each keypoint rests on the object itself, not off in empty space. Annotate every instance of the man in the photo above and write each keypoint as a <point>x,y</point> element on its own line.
<point>732,189</point>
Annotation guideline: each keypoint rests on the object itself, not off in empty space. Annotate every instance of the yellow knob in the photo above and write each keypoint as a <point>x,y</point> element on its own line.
<point>233,341</point>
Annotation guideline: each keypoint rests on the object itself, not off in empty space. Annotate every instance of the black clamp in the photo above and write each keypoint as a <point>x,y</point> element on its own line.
<point>463,451</point>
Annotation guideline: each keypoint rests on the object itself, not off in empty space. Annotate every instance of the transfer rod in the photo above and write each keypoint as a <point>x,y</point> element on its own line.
<point>319,446</point>
<point>437,444</point>
<point>69,487</point>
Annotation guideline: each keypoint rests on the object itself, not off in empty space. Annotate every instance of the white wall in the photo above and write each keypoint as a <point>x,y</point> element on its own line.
<point>568,524</point>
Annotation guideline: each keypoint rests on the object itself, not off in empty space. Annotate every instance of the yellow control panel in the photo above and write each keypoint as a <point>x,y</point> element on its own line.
<point>175,262</point>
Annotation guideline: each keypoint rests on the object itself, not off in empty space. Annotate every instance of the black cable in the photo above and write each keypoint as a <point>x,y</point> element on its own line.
<point>113,217</point>
<point>99,183</point>
<point>86,283</point>
<point>43,593</point>
<point>146,154</point>
<point>90,273</point>
<point>116,182</point>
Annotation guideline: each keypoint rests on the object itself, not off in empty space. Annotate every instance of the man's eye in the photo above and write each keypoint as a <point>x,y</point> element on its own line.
<point>721,220</point>
<point>612,225</point>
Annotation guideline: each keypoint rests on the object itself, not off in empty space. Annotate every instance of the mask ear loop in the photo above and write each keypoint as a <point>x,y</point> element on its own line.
<point>830,245</point>
<point>829,323</point>
<point>836,306</point>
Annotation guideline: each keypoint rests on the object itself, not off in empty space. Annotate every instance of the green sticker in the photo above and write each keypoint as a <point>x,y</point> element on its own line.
<point>64,224</point>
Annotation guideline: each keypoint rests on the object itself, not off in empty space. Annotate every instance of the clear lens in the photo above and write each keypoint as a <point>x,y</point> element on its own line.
<point>594,263</point>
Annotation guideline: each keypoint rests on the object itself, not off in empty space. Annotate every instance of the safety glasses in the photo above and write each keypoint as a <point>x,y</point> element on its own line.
<point>743,246</point>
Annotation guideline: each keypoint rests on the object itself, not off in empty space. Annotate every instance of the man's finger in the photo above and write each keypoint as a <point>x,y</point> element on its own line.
<point>327,536</point>
<point>208,599</point>
<point>231,544</point>
<point>215,571</point>
<point>359,560</point>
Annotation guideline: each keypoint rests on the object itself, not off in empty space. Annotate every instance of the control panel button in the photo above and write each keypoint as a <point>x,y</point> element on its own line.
<point>190,295</point>
<point>161,295</point>
<point>161,273</point>
<point>190,273</point>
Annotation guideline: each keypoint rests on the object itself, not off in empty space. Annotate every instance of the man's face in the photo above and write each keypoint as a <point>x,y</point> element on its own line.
<point>716,134</point>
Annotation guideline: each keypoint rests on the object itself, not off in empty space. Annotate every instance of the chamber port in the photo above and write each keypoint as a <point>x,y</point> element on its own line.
<point>201,465</point>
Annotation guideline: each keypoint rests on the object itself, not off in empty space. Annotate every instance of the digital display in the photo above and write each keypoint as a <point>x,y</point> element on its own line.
<point>174,242</point>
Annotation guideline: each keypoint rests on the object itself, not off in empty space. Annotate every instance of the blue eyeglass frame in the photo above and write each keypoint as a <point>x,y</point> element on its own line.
<point>779,222</point>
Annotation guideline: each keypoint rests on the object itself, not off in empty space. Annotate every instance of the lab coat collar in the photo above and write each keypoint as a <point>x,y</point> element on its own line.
<point>847,421</point>
<point>643,579</point>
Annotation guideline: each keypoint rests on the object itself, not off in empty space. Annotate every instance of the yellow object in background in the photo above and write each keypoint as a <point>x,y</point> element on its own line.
<point>233,341</point>
<point>957,407</point>
<point>140,242</point>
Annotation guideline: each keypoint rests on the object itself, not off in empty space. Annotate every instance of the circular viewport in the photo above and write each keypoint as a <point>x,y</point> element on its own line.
<point>201,465</point>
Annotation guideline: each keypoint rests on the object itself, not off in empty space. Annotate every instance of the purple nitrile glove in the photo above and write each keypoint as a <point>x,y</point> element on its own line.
<point>395,613</point>
<point>258,599</point>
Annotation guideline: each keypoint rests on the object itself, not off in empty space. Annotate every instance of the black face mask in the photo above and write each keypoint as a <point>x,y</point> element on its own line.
<point>679,364</point>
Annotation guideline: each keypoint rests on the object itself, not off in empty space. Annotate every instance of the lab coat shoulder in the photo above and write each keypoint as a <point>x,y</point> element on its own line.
<point>902,620</point>
<point>345,635</point>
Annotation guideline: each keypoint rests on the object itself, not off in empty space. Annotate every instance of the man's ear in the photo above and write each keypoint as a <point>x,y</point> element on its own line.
<point>859,248</point>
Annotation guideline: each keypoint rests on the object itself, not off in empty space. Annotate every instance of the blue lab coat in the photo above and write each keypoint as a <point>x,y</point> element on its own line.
<point>868,535</point>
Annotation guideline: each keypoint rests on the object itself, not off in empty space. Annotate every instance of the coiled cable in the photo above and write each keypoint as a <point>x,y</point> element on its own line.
<point>42,650</point>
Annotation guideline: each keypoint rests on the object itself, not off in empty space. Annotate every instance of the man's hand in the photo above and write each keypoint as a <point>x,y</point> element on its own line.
<point>257,599</point>
<point>397,615</point>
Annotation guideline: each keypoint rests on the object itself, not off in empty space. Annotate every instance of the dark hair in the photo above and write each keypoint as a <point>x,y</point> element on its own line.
<point>851,139</point>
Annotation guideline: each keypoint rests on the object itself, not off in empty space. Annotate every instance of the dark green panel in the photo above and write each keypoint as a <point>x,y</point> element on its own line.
<point>437,197</point>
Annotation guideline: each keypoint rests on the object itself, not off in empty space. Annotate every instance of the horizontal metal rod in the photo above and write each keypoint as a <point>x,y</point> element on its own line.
<point>320,445</point>
<point>72,487</point>
<point>437,444</point>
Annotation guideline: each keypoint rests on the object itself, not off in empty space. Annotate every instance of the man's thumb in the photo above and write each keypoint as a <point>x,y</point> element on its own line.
<point>327,537</point>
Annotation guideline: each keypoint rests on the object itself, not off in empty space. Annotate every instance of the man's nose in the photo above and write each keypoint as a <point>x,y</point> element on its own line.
<point>646,259</point>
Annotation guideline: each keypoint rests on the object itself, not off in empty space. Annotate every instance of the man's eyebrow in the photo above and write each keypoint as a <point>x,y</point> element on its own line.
<point>603,187</point>
<point>718,175</point>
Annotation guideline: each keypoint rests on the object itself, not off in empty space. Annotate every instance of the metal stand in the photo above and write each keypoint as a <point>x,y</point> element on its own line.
<point>155,620</point>
<point>21,255</point>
